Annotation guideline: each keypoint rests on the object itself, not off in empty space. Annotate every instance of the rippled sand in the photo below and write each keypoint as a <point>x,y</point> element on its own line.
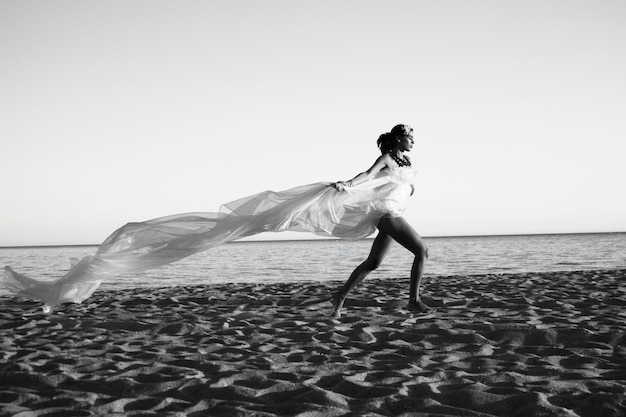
<point>544,344</point>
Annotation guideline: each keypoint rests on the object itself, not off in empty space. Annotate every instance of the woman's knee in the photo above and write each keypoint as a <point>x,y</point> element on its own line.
<point>372,264</point>
<point>421,250</point>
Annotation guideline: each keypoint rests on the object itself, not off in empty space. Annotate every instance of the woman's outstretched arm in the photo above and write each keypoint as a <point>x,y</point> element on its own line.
<point>364,176</point>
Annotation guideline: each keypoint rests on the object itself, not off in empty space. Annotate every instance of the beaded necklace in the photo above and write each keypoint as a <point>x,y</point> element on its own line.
<point>401,162</point>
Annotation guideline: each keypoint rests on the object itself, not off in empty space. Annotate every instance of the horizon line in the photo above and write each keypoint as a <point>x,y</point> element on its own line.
<point>333,238</point>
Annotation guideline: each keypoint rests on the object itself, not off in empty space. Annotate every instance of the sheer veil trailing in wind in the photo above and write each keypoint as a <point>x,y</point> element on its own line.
<point>317,208</point>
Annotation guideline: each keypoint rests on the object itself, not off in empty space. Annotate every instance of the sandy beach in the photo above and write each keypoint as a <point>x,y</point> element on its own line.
<point>540,344</point>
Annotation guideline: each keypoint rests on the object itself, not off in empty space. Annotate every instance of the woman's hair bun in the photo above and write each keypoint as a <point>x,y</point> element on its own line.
<point>387,141</point>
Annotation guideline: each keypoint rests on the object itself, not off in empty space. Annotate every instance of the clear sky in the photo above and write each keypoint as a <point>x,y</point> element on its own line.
<point>118,111</point>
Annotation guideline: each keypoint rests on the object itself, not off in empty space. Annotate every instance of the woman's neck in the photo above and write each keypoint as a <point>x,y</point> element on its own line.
<point>399,158</point>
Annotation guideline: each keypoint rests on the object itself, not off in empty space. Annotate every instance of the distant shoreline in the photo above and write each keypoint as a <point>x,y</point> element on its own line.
<point>331,239</point>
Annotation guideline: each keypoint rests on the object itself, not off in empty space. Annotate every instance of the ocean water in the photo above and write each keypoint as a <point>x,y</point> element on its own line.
<point>325,260</point>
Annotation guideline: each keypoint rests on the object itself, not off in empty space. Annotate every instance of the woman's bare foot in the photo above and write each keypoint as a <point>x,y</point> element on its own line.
<point>420,307</point>
<point>337,301</point>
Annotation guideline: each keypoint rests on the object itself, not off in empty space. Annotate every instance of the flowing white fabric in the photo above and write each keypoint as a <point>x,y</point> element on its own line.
<point>317,208</point>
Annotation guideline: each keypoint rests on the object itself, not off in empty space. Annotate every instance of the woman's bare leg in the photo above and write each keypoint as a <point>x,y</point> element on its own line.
<point>402,232</point>
<point>380,247</point>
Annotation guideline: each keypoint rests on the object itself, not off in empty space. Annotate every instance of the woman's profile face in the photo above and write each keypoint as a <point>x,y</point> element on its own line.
<point>407,141</point>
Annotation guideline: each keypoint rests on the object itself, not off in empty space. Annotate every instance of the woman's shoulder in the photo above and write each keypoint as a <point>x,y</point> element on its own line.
<point>387,159</point>
<point>382,162</point>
